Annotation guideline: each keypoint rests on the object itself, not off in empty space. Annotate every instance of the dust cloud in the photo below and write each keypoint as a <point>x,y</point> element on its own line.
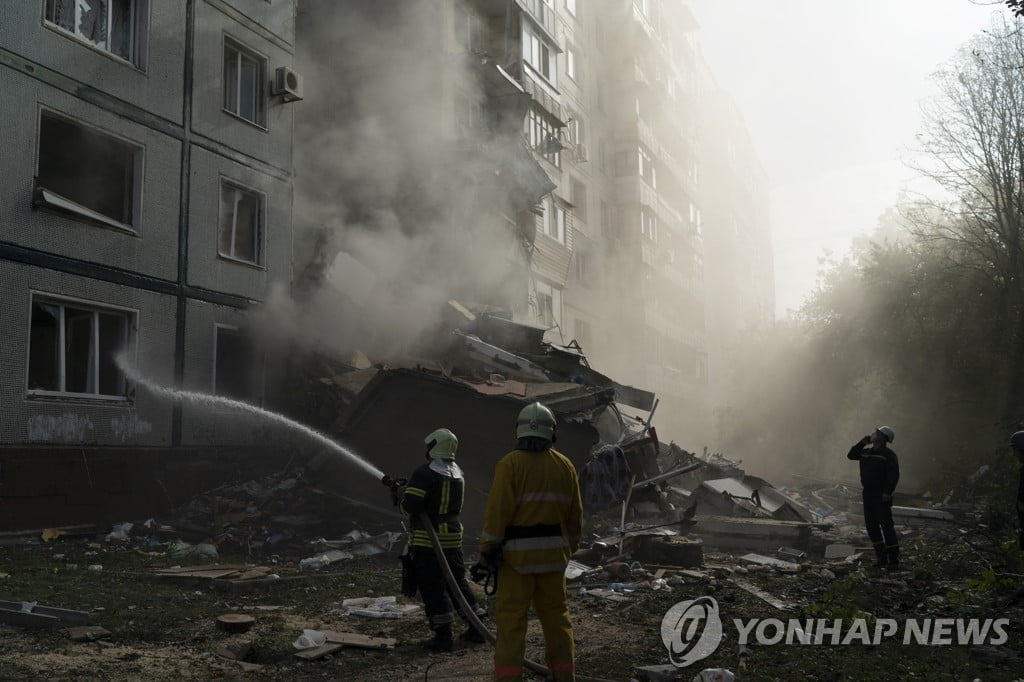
<point>394,209</point>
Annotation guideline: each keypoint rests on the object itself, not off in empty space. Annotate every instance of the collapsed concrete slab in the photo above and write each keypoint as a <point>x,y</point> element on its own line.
<point>730,532</point>
<point>387,420</point>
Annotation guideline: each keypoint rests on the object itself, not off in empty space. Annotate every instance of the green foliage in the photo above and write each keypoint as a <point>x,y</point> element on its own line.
<point>843,599</point>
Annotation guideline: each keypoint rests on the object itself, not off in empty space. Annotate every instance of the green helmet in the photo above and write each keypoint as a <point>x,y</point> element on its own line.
<point>537,421</point>
<point>441,444</point>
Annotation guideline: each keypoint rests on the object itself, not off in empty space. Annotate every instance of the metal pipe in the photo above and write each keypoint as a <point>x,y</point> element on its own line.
<point>667,475</point>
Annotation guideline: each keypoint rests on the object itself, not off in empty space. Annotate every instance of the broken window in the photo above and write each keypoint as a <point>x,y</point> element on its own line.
<point>114,26</point>
<point>73,349</point>
<point>543,138</point>
<point>241,224</point>
<point>88,173</point>
<point>244,76</point>
<point>549,304</point>
<point>237,366</point>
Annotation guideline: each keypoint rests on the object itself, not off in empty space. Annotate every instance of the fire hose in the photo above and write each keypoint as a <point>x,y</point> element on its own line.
<point>453,588</point>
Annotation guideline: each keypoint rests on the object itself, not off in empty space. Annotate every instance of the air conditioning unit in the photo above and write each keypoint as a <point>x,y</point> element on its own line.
<point>582,153</point>
<point>287,84</point>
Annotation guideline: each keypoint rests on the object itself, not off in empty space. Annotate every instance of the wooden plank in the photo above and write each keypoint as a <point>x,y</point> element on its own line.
<point>208,575</point>
<point>319,652</point>
<point>23,619</point>
<point>361,641</point>
<point>65,615</point>
<point>208,567</point>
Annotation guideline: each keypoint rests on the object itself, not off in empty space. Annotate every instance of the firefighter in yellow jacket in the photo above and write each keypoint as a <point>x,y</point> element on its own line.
<point>534,522</point>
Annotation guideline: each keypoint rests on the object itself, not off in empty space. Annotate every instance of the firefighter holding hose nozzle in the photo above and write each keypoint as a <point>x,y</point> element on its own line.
<point>436,490</point>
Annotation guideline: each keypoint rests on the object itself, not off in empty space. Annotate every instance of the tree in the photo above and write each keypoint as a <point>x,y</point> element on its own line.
<point>974,139</point>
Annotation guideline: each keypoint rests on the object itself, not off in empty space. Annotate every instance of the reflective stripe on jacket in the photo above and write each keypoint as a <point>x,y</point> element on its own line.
<point>436,488</point>
<point>538,494</point>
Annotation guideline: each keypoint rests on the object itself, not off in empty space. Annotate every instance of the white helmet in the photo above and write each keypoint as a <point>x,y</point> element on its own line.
<point>887,433</point>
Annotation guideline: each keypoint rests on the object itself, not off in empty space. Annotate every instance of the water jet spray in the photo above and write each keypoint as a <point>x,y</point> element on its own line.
<point>208,399</point>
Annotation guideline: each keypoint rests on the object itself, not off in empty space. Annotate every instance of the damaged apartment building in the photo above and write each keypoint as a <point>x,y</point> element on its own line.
<point>147,204</point>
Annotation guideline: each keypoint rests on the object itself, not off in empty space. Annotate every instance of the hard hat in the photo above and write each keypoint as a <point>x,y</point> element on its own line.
<point>890,436</point>
<point>537,421</point>
<point>1017,441</point>
<point>441,444</point>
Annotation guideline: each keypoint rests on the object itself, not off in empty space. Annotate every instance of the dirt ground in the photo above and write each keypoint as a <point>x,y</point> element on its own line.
<point>165,629</point>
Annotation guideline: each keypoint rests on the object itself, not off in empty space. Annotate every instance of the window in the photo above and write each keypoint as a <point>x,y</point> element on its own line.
<point>73,349</point>
<point>244,83</point>
<point>648,224</point>
<point>236,370</point>
<point>88,173</point>
<point>579,198</point>
<point>646,168</point>
<point>570,62</point>
<point>583,267</point>
<point>241,223</point>
<point>582,333</point>
<point>114,26</point>
<point>549,305</point>
<point>543,139</point>
<point>469,31</point>
<point>570,7</point>
<point>538,54</point>
<point>554,222</point>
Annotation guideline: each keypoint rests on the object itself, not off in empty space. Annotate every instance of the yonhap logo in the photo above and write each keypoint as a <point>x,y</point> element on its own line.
<point>691,631</point>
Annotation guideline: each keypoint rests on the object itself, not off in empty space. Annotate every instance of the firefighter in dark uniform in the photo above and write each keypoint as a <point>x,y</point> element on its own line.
<point>437,488</point>
<point>1017,448</point>
<point>879,474</point>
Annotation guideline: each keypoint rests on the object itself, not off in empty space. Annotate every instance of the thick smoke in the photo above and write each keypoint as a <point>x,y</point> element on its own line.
<point>395,211</point>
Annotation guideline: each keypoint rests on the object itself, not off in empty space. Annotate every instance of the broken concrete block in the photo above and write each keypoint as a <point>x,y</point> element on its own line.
<point>839,551</point>
<point>87,633</point>
<point>791,554</point>
<point>671,551</point>
<point>786,566</point>
<point>657,673</point>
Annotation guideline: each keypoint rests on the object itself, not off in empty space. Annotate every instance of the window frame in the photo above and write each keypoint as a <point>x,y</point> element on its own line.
<point>44,197</point>
<point>261,223</point>
<point>262,99</point>
<point>131,316</point>
<point>260,358</point>
<point>552,222</point>
<point>139,33</point>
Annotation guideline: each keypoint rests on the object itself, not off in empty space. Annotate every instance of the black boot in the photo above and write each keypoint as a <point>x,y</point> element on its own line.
<point>893,560</point>
<point>441,641</point>
<point>882,559</point>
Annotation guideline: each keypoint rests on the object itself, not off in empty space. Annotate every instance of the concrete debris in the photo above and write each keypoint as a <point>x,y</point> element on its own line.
<point>88,633</point>
<point>377,607</point>
<point>784,566</point>
<point>839,551</point>
<point>764,596</point>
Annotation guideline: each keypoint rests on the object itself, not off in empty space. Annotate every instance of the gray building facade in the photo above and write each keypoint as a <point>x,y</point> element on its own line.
<point>145,209</point>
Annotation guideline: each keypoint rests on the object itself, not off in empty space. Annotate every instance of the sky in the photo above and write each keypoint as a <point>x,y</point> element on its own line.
<point>831,92</point>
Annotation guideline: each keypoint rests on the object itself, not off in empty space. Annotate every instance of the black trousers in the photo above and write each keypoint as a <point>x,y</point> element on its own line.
<point>437,598</point>
<point>879,524</point>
